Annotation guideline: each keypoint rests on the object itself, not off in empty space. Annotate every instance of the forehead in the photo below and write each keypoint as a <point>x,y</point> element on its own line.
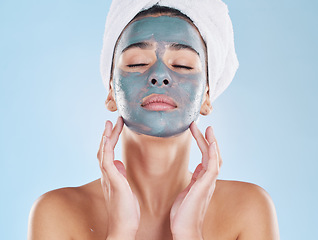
<point>165,29</point>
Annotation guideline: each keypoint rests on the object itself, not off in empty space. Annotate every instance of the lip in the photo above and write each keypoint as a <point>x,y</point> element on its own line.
<point>158,102</point>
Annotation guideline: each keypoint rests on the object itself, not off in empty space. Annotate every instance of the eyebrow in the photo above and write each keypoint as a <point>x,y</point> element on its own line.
<point>173,46</point>
<point>179,46</point>
<point>142,45</point>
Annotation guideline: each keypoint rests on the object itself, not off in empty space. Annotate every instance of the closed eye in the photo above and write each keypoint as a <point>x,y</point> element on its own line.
<point>137,65</point>
<point>182,66</point>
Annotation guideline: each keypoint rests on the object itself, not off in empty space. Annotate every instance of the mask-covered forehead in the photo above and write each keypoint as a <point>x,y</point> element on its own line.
<point>162,29</point>
<point>211,18</point>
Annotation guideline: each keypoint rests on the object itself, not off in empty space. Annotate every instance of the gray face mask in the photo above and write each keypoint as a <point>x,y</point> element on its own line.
<point>159,72</point>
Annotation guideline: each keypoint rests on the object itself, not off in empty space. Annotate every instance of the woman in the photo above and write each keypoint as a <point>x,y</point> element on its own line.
<point>162,76</point>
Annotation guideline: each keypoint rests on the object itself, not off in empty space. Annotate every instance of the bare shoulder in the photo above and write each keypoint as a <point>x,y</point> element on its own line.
<point>243,190</point>
<point>251,208</point>
<point>59,214</point>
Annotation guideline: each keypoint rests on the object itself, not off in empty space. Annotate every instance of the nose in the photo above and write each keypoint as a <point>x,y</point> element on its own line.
<point>159,75</point>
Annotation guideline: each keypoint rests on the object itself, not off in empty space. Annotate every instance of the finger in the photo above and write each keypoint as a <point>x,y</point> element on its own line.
<point>194,178</point>
<point>120,167</point>
<point>219,156</point>
<point>100,150</point>
<point>108,128</point>
<point>113,134</point>
<point>108,125</point>
<point>199,189</point>
<point>202,143</point>
<point>108,157</point>
<point>114,175</point>
<point>116,131</point>
<point>209,135</point>
<point>105,184</point>
<point>196,172</point>
<point>213,165</point>
<point>137,205</point>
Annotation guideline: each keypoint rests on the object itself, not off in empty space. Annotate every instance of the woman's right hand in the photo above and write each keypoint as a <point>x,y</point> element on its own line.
<point>121,203</point>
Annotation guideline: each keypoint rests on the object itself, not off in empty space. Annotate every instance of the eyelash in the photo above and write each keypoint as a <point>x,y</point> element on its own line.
<point>137,65</point>
<point>143,64</point>
<point>181,66</point>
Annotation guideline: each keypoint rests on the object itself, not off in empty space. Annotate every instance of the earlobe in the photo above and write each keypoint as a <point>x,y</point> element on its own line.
<point>110,102</point>
<point>206,107</point>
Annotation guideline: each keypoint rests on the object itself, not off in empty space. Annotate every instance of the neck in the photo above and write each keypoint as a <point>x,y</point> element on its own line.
<point>157,168</point>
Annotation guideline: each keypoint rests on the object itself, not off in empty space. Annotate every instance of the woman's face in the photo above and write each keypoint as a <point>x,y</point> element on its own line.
<point>159,76</point>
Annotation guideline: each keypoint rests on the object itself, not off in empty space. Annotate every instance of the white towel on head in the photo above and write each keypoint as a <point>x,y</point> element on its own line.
<point>209,16</point>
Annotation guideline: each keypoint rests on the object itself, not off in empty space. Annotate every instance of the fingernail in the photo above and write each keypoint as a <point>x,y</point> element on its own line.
<point>104,140</point>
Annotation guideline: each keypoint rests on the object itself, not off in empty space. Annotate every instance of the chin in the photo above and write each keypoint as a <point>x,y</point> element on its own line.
<point>159,133</point>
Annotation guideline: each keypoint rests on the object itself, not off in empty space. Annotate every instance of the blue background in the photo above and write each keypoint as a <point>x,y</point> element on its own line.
<point>53,113</point>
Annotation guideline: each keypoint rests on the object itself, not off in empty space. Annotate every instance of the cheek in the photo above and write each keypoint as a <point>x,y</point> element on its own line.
<point>129,86</point>
<point>192,88</point>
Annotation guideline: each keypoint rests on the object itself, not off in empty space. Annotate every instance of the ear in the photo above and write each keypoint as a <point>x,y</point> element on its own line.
<point>206,107</point>
<point>110,102</point>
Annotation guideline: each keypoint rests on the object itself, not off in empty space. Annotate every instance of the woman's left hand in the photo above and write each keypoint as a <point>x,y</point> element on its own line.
<point>189,209</point>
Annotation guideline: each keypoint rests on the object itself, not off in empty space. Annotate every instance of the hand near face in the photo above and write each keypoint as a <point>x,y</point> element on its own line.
<point>189,209</point>
<point>122,204</point>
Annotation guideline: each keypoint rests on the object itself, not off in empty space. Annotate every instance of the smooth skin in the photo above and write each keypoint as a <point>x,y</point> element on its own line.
<point>186,216</point>
<point>237,210</point>
<point>152,195</point>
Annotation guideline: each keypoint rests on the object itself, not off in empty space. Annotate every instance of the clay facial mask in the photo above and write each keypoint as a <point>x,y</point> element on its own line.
<point>159,75</point>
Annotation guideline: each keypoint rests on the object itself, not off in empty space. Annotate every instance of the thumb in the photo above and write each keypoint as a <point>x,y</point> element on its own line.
<point>197,173</point>
<point>120,167</point>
